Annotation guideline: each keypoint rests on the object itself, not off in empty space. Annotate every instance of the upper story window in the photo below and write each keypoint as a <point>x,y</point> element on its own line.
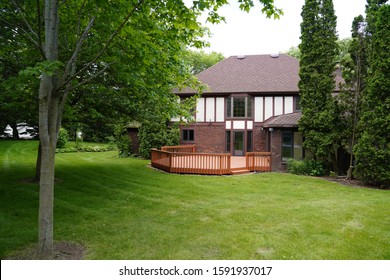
<point>297,105</point>
<point>239,107</point>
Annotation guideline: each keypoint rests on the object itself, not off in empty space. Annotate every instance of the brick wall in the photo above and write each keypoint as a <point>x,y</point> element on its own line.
<point>259,139</point>
<point>210,138</point>
<point>276,149</point>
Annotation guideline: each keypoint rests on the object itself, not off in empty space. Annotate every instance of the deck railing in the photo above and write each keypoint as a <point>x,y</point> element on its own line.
<point>192,163</point>
<point>183,159</point>
<point>179,149</point>
<point>258,161</point>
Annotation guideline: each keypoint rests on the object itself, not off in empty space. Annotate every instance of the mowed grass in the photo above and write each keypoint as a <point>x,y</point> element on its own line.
<point>122,209</point>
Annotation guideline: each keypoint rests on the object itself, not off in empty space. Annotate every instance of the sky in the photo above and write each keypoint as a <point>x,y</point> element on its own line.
<point>252,33</point>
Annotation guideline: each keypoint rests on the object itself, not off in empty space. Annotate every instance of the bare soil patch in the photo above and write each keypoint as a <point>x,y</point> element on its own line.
<point>62,251</point>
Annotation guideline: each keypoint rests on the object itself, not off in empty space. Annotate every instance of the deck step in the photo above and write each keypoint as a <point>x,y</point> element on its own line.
<point>239,171</point>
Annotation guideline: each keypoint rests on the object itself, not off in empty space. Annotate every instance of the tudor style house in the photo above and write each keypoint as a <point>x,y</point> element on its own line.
<point>251,104</point>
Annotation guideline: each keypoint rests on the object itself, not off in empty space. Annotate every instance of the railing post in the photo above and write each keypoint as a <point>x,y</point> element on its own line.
<point>170,162</point>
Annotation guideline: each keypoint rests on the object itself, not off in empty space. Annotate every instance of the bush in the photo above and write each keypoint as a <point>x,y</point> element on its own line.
<point>63,138</point>
<point>123,141</point>
<point>305,167</point>
<point>81,148</point>
<point>155,134</point>
<point>373,161</point>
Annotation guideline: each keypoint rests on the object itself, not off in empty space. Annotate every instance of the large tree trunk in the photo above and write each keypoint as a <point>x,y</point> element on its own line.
<point>38,164</point>
<point>46,203</point>
<point>48,133</point>
<point>48,140</point>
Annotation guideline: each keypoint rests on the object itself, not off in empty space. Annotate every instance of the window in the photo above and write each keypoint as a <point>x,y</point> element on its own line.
<point>287,145</point>
<point>297,101</point>
<point>298,147</point>
<point>249,145</point>
<point>188,135</point>
<point>239,107</point>
<point>228,141</point>
<point>292,145</point>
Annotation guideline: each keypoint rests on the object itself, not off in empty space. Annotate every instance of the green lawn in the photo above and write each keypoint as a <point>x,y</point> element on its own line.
<point>122,209</point>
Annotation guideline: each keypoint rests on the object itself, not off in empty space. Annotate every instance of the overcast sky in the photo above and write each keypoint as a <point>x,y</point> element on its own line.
<point>251,33</point>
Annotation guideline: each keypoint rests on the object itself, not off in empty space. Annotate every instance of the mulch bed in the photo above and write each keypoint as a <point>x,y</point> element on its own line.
<point>351,183</point>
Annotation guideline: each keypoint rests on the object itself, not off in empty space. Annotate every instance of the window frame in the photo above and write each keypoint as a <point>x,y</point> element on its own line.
<point>231,108</point>
<point>292,147</point>
<point>186,135</point>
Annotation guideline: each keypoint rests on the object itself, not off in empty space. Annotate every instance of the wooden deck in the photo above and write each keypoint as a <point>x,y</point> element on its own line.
<point>174,160</point>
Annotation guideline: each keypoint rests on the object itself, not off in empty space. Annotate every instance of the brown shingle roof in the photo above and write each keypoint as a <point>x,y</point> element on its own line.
<point>252,74</point>
<point>287,120</point>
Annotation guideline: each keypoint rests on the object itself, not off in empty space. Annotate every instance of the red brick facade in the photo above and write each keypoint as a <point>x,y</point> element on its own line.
<point>208,137</point>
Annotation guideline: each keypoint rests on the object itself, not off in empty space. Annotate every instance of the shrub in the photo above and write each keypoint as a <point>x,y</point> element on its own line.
<point>373,160</point>
<point>123,141</point>
<point>155,134</point>
<point>63,138</point>
<point>85,149</point>
<point>305,167</point>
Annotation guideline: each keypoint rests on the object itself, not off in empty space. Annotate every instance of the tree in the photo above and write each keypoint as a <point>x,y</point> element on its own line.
<point>80,40</point>
<point>343,46</point>
<point>354,68</point>
<point>373,148</point>
<point>294,52</point>
<point>318,51</point>
<point>200,61</point>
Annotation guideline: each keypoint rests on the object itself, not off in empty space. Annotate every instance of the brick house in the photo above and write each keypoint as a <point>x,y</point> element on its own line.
<point>251,104</point>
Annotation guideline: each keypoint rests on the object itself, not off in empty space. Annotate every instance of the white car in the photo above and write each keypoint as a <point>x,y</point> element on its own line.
<point>25,131</point>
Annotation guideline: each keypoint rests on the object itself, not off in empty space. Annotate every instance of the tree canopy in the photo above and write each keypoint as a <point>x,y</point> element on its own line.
<point>200,60</point>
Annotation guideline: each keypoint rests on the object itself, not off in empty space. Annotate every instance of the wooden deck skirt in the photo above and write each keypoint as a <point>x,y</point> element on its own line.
<point>183,159</point>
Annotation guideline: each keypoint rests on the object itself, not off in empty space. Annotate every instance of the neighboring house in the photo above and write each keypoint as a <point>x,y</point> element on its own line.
<point>251,104</point>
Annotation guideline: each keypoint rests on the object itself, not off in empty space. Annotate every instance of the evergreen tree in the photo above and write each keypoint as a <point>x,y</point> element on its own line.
<point>318,51</point>
<point>373,149</point>
<point>354,67</point>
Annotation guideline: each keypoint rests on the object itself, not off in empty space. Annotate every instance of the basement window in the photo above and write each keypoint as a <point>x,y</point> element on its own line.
<point>188,135</point>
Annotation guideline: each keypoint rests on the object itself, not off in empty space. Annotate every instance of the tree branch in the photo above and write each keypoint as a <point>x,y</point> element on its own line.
<point>29,30</point>
<point>39,33</point>
<point>79,17</point>
<point>115,33</point>
<point>91,78</point>
<point>76,52</point>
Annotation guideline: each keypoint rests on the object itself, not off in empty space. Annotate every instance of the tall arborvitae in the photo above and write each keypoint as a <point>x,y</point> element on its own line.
<point>373,149</point>
<point>317,64</point>
<point>354,68</point>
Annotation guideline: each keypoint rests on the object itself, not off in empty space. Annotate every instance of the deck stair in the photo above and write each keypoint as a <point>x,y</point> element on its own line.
<point>239,171</point>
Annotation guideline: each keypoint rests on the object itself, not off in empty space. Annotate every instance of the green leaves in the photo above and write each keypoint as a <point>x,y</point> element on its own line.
<point>318,49</point>
<point>47,67</point>
<point>373,149</point>
<point>213,6</point>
